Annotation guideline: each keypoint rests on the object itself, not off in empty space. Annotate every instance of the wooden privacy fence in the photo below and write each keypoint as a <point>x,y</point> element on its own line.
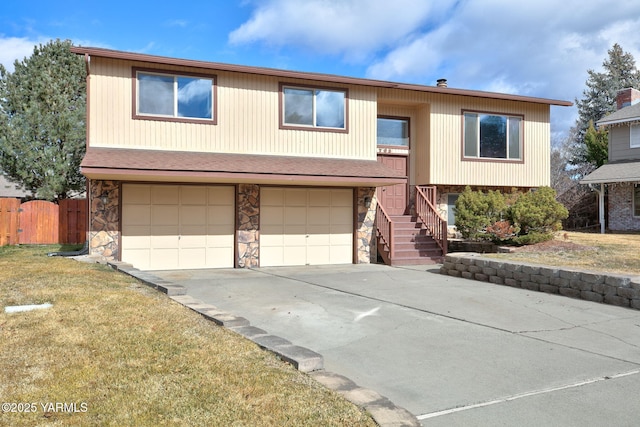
<point>42,222</point>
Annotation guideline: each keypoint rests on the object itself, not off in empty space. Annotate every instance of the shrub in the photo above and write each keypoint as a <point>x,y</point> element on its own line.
<point>475,211</point>
<point>538,211</point>
<point>516,218</point>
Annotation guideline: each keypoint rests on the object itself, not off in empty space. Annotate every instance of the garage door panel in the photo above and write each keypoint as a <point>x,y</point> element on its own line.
<point>272,215</point>
<point>165,194</point>
<point>272,257</point>
<point>295,215</point>
<point>295,197</point>
<point>271,197</point>
<point>218,257</point>
<point>221,241</point>
<point>319,198</point>
<point>221,215</point>
<point>294,255</point>
<point>342,198</point>
<point>136,215</point>
<point>192,241</point>
<point>193,215</point>
<point>193,257</point>
<point>137,241</point>
<point>193,195</point>
<point>178,227</point>
<point>319,216</point>
<point>164,215</point>
<point>221,196</point>
<point>299,226</point>
<point>137,194</point>
<point>139,257</point>
<point>164,259</point>
<point>318,255</point>
<point>341,215</point>
<point>341,254</point>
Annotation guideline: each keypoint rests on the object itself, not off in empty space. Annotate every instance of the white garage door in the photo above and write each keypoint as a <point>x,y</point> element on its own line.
<point>304,226</point>
<point>177,227</point>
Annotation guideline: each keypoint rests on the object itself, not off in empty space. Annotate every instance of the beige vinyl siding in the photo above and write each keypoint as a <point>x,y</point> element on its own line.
<point>620,144</point>
<point>247,118</point>
<point>442,163</point>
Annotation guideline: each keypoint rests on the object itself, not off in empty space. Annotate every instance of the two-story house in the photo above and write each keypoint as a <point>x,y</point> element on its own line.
<point>196,164</point>
<point>621,174</point>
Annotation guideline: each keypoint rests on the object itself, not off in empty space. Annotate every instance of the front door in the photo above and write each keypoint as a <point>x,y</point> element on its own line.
<point>393,198</point>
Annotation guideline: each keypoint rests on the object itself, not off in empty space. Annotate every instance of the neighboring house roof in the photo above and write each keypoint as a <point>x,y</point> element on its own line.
<point>623,171</point>
<point>623,115</point>
<point>114,54</point>
<point>11,189</point>
<point>118,163</point>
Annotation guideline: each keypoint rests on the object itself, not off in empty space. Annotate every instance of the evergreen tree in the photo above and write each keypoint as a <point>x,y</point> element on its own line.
<point>596,145</point>
<point>42,121</point>
<point>599,98</point>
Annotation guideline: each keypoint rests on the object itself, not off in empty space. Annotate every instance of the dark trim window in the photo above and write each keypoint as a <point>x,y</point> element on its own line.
<point>174,97</point>
<point>492,136</point>
<point>314,108</point>
<point>452,198</point>
<point>393,131</point>
<point>634,136</point>
<point>636,200</point>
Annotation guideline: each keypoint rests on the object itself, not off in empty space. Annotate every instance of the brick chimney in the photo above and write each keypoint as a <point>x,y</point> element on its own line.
<point>627,97</point>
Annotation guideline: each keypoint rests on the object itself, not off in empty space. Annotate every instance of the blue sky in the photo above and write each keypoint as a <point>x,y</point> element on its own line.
<point>531,47</point>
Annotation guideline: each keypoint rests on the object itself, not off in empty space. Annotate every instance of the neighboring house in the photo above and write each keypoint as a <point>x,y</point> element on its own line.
<point>195,164</point>
<point>11,189</point>
<point>621,175</point>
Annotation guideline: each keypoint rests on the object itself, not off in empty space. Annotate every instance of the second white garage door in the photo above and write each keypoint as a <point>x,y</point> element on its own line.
<point>306,226</point>
<point>177,226</point>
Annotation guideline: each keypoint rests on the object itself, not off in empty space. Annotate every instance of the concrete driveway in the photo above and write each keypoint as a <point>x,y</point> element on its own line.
<point>451,351</point>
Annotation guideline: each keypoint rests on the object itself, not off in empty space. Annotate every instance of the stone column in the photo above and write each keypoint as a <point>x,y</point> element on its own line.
<point>365,232</point>
<point>104,218</point>
<point>248,225</point>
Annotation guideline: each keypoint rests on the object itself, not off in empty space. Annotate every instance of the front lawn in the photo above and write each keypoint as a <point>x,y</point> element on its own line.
<point>615,253</point>
<point>114,352</point>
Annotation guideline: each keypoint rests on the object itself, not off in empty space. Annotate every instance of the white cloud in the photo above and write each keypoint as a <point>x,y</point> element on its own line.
<point>541,48</point>
<point>16,48</point>
<point>352,28</point>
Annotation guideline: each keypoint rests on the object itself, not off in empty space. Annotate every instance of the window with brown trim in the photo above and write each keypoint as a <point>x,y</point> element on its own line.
<point>313,108</point>
<point>177,97</point>
<point>393,131</point>
<point>492,136</point>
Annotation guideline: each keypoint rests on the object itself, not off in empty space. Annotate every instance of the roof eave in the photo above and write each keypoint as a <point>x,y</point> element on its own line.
<point>114,54</point>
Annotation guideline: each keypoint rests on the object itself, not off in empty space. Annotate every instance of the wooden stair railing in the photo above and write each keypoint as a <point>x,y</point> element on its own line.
<point>430,217</point>
<point>384,226</point>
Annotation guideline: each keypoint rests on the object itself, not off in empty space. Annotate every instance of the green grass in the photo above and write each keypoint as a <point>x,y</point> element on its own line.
<point>135,357</point>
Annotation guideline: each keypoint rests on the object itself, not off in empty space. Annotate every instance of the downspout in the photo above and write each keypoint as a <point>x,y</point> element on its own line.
<point>600,204</point>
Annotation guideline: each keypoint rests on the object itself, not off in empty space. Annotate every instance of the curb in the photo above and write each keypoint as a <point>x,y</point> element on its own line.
<point>382,410</point>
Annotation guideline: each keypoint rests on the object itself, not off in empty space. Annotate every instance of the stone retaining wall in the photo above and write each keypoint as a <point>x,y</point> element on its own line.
<point>594,286</point>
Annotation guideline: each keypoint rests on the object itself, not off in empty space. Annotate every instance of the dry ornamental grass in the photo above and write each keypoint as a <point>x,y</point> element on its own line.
<point>115,352</point>
<point>614,253</point>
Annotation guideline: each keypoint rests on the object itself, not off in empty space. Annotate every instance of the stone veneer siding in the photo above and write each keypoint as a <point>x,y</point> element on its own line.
<point>621,208</point>
<point>594,286</point>
<point>104,224</point>
<point>248,225</point>
<point>365,242</point>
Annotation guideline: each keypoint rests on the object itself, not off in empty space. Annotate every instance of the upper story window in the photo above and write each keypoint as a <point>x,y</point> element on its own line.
<point>634,136</point>
<point>492,136</point>
<point>314,108</point>
<point>393,131</point>
<point>184,97</point>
